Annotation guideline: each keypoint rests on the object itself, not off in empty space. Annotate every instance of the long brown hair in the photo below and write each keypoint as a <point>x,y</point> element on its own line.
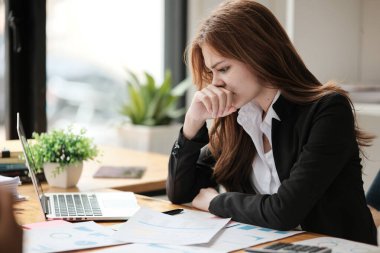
<point>247,31</point>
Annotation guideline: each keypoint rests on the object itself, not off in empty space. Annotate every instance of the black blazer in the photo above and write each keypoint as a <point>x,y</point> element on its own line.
<point>318,163</point>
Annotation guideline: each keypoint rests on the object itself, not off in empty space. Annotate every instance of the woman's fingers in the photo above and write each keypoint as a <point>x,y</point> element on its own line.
<point>229,104</point>
<point>222,99</point>
<point>205,100</point>
<point>214,101</point>
<point>231,110</point>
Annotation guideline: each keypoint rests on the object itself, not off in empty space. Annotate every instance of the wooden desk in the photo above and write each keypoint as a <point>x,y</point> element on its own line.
<point>29,212</point>
<point>154,177</point>
<point>153,180</point>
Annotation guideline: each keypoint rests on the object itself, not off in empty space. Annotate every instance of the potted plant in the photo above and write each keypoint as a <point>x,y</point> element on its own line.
<point>151,109</point>
<point>60,155</point>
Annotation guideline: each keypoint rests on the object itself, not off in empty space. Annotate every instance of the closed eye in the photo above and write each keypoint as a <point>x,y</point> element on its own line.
<point>223,70</point>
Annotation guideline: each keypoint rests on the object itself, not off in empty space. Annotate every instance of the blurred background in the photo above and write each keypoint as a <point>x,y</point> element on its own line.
<point>87,52</point>
<point>90,43</point>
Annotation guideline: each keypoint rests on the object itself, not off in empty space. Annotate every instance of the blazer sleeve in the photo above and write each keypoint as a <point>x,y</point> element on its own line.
<point>190,167</point>
<point>330,144</point>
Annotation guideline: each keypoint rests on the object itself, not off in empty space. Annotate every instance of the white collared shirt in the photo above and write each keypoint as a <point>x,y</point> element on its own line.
<point>264,178</point>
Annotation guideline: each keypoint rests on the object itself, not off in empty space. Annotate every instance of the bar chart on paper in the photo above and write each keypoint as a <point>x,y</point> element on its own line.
<point>68,237</point>
<point>239,235</point>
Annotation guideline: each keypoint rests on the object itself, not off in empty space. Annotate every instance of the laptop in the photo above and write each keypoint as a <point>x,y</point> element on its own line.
<point>81,205</point>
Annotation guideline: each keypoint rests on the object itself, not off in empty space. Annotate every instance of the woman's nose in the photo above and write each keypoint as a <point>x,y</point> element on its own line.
<point>219,85</point>
<point>217,82</point>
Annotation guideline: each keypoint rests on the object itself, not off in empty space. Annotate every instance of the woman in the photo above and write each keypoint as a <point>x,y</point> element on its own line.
<point>284,146</point>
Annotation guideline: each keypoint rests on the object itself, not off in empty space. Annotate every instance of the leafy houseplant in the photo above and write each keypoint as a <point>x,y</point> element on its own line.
<point>151,104</point>
<point>151,109</point>
<point>60,151</point>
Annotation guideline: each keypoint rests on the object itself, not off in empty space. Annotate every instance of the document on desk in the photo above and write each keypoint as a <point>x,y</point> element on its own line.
<point>157,248</point>
<point>76,236</point>
<point>233,236</point>
<point>237,236</point>
<point>149,226</point>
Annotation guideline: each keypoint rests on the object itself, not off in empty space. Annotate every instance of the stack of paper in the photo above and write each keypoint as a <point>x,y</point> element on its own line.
<point>10,184</point>
<point>151,231</point>
<point>148,226</point>
<point>199,231</point>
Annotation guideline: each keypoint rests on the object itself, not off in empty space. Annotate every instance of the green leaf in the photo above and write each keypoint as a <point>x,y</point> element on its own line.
<point>182,87</point>
<point>151,104</point>
<point>154,105</point>
<point>150,83</point>
<point>63,147</point>
<point>137,103</point>
<point>166,85</point>
<point>134,80</point>
<point>166,105</point>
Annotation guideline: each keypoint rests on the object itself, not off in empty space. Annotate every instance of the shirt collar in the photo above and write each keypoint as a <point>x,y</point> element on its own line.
<point>252,111</point>
<point>271,112</point>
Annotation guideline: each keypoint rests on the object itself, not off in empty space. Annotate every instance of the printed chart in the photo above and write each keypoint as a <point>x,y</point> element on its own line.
<point>64,238</point>
<point>148,226</point>
<point>238,236</point>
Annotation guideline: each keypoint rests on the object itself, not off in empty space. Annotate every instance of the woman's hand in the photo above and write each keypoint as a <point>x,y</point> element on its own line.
<point>203,199</point>
<point>210,102</point>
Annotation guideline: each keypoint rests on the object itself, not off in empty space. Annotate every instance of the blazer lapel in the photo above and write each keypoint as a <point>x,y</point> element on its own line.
<point>283,139</point>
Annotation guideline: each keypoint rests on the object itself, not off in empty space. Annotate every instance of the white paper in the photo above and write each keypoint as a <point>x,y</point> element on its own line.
<point>77,236</point>
<point>10,184</point>
<point>9,180</point>
<point>148,226</point>
<point>157,248</point>
<point>239,236</point>
<point>234,235</point>
<point>340,245</point>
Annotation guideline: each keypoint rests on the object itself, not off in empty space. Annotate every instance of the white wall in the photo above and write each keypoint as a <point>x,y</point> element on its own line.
<point>327,36</point>
<point>370,42</point>
<point>198,11</point>
<point>201,9</point>
<point>339,39</point>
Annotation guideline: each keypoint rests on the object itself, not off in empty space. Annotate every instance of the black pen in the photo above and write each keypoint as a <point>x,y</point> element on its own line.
<point>174,211</point>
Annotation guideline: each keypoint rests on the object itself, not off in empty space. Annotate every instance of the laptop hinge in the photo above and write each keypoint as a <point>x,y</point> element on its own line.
<point>45,204</point>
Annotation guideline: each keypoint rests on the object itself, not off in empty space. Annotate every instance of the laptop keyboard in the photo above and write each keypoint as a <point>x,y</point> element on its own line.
<point>76,205</point>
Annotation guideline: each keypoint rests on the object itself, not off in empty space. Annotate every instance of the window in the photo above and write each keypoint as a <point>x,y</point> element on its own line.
<point>90,43</point>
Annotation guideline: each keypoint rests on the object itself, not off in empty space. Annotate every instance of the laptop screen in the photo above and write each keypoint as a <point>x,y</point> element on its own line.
<point>28,157</point>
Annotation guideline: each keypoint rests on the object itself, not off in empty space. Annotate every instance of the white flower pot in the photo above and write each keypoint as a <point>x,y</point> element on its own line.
<point>158,139</point>
<point>69,177</point>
